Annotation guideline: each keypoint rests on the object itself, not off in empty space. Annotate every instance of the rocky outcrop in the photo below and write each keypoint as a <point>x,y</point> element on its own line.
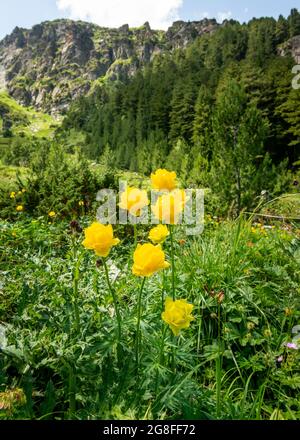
<point>182,33</point>
<point>54,62</point>
<point>291,47</point>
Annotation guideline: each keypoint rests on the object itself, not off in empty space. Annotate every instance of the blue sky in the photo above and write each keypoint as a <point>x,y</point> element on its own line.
<point>160,13</point>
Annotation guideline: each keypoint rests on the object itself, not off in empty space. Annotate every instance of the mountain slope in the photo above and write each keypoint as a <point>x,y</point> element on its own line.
<point>54,62</point>
<point>16,120</point>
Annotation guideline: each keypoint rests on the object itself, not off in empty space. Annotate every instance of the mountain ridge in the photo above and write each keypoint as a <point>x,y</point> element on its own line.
<point>55,62</point>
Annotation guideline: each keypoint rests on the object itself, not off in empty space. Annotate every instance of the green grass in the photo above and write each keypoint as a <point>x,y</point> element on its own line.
<point>224,366</point>
<point>8,176</point>
<point>27,120</point>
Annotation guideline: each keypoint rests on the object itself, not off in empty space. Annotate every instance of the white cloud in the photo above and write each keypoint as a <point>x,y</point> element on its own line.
<point>114,13</point>
<point>221,16</point>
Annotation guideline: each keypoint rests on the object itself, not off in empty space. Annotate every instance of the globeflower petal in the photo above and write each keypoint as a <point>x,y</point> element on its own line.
<point>134,200</point>
<point>169,207</point>
<point>159,234</point>
<point>177,314</point>
<point>100,239</point>
<point>164,180</point>
<point>148,259</point>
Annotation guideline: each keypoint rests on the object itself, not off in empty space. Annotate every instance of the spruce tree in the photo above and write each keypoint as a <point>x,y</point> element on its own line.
<point>294,22</point>
<point>239,135</point>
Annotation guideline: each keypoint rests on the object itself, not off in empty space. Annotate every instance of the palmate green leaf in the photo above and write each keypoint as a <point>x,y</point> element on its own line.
<point>50,349</point>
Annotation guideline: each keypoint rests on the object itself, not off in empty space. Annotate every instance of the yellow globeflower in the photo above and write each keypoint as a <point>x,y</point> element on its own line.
<point>177,314</point>
<point>134,200</point>
<point>164,180</point>
<point>52,214</point>
<point>169,207</point>
<point>100,238</point>
<point>158,234</point>
<point>12,195</point>
<point>20,208</point>
<point>148,259</point>
<point>81,203</point>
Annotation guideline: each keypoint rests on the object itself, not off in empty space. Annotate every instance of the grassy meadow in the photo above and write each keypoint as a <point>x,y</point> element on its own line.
<point>62,355</point>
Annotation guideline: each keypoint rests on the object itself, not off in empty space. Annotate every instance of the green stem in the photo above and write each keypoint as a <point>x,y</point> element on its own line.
<point>137,339</point>
<point>174,340</point>
<point>161,357</point>
<point>72,392</point>
<point>75,285</point>
<point>163,291</point>
<point>75,295</point>
<point>113,293</point>
<point>135,236</point>
<point>219,366</point>
<point>172,261</point>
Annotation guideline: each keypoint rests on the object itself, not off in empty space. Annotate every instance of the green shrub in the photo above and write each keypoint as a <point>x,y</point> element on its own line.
<point>58,182</point>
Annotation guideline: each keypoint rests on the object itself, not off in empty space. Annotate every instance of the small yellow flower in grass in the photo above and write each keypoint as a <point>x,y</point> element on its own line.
<point>100,238</point>
<point>81,203</point>
<point>164,180</point>
<point>23,190</point>
<point>169,207</point>
<point>159,234</point>
<point>52,214</point>
<point>148,259</point>
<point>267,333</point>
<point>178,314</point>
<point>20,208</point>
<point>20,193</point>
<point>134,200</point>
<point>12,195</point>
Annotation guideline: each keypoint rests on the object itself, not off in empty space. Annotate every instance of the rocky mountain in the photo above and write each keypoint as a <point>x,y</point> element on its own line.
<point>55,62</point>
<point>292,46</point>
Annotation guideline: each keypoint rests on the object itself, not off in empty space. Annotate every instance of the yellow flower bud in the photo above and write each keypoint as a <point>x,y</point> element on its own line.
<point>163,180</point>
<point>148,259</point>
<point>134,200</point>
<point>159,234</point>
<point>169,207</point>
<point>178,314</point>
<point>100,238</point>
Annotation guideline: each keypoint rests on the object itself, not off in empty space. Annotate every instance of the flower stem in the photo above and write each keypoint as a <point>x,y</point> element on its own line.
<point>137,339</point>
<point>75,285</point>
<point>135,235</point>
<point>161,358</point>
<point>172,261</point>
<point>72,392</point>
<point>163,290</point>
<point>113,293</point>
<point>219,366</point>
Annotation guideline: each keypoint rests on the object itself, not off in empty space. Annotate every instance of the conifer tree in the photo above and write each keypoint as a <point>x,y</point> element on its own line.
<point>294,22</point>
<point>239,134</point>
